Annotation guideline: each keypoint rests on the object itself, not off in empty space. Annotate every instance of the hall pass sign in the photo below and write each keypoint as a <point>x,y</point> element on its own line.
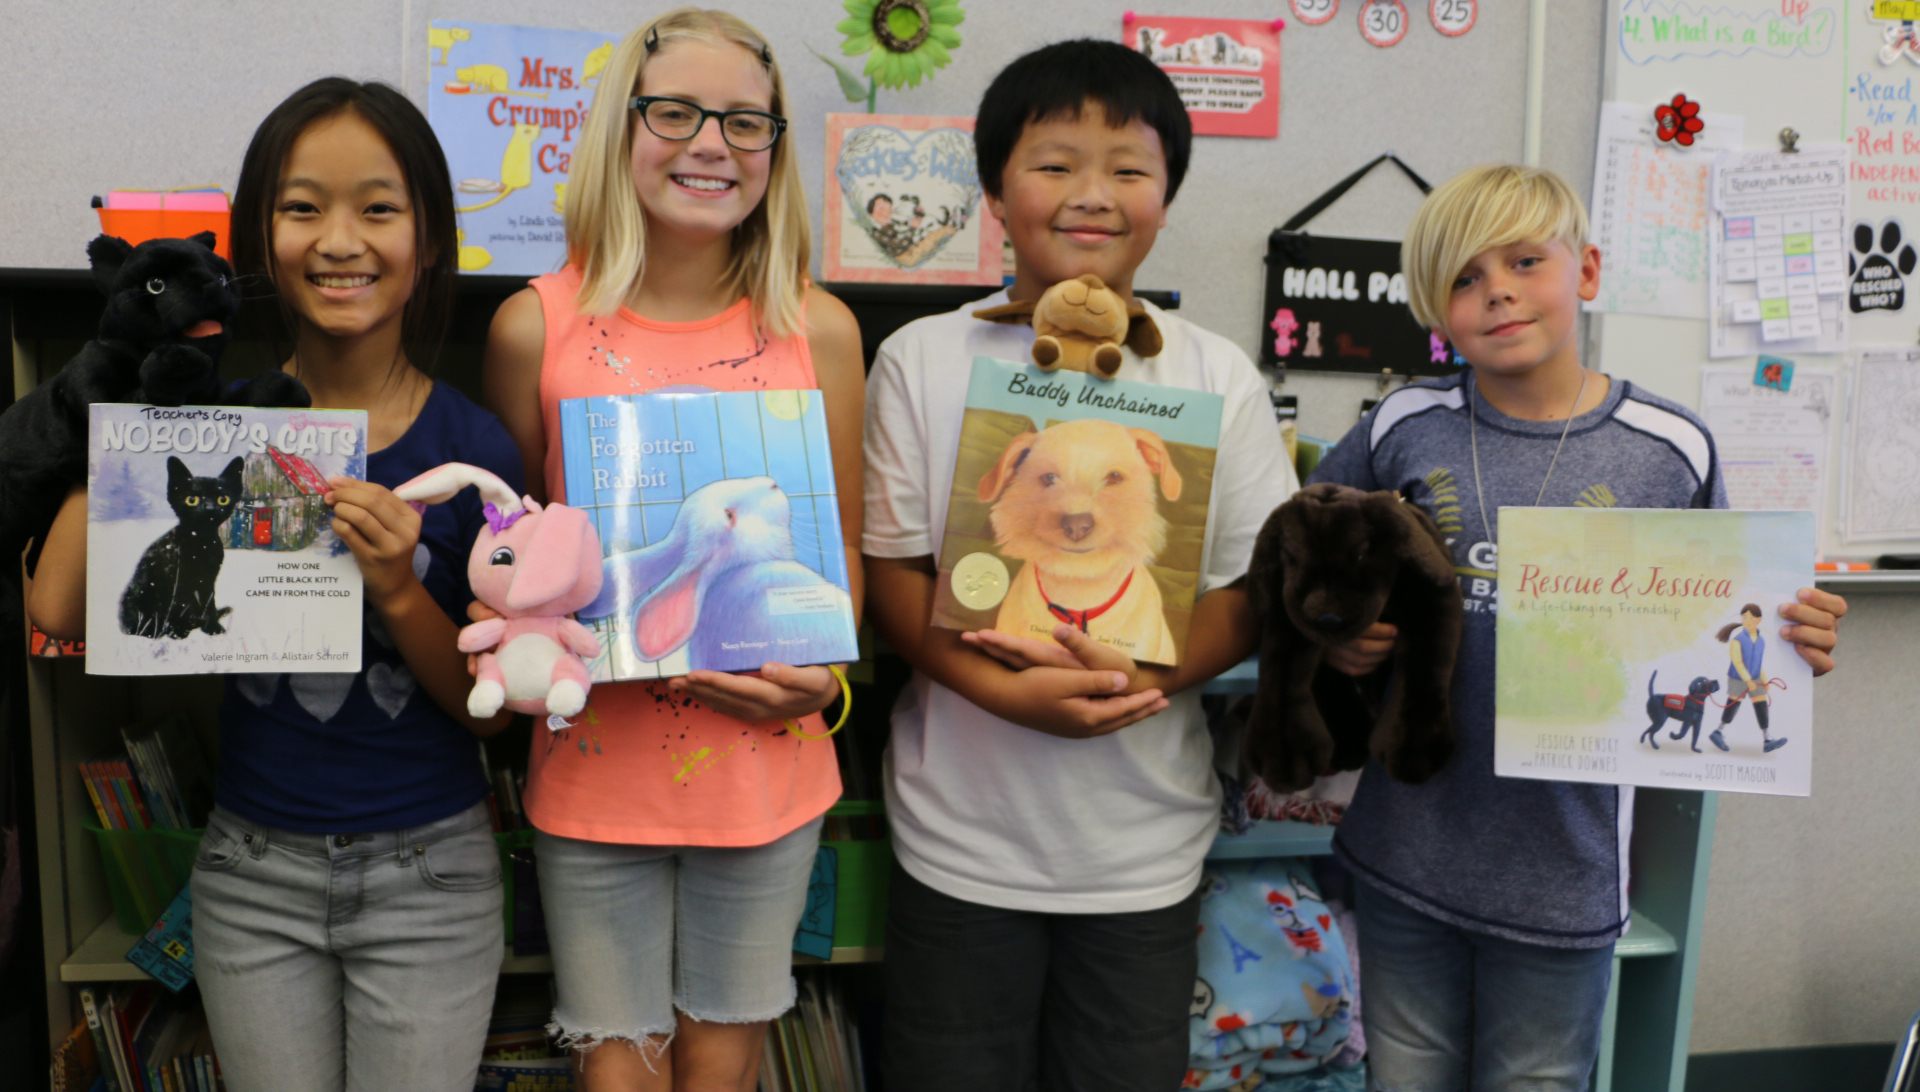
<point>1227,70</point>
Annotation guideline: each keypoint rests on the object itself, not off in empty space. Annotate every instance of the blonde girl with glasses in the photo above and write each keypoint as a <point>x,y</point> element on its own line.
<point>672,889</point>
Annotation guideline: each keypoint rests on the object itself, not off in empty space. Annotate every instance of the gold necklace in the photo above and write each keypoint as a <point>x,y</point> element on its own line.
<point>1473,438</point>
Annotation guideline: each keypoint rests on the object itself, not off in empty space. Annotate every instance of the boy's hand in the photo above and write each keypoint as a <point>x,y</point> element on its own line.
<point>1072,703</point>
<point>380,529</point>
<point>775,692</point>
<point>1364,654</point>
<point>1069,648</point>
<point>1816,630</point>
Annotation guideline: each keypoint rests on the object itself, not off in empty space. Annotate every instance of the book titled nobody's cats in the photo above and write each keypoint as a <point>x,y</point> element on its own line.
<point>210,549</point>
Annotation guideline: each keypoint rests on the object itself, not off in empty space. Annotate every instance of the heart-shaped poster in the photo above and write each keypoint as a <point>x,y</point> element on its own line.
<point>909,205</point>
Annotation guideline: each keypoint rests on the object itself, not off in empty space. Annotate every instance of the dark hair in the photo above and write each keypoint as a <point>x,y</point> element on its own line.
<point>1055,81</point>
<point>429,189</point>
<point>876,199</point>
<point>1726,631</point>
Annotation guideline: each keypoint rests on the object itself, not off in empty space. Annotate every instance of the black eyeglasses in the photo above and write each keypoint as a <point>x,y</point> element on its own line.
<point>678,119</point>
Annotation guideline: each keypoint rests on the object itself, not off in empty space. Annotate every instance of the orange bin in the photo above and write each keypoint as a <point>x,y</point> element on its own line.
<point>136,226</point>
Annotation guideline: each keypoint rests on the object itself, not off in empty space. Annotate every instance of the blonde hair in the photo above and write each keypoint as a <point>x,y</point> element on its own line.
<point>606,227</point>
<point>1475,211</point>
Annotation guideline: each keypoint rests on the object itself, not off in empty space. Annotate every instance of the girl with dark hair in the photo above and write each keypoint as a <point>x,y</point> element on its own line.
<point>1746,651</point>
<point>346,895</point>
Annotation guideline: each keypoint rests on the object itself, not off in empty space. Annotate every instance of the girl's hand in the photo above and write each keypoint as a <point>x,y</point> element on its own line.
<point>380,529</point>
<point>1816,630</point>
<point>1363,654</point>
<point>477,612</point>
<point>775,692</point>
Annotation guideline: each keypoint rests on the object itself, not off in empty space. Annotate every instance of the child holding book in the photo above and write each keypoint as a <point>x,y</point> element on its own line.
<point>346,895</point>
<point>1489,906</point>
<point>1051,804</point>
<point>678,824</point>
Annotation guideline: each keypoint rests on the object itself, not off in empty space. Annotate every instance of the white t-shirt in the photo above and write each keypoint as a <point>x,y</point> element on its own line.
<point>981,808</point>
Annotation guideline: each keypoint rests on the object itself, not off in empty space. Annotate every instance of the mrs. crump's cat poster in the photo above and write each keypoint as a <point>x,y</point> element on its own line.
<point>1643,647</point>
<point>210,548</point>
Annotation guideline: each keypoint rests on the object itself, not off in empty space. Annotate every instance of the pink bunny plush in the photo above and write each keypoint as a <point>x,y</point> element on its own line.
<point>534,566</point>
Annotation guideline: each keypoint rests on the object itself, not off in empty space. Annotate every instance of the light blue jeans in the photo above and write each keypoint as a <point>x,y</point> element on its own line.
<point>357,962</point>
<point>641,931</point>
<point>1448,1010</point>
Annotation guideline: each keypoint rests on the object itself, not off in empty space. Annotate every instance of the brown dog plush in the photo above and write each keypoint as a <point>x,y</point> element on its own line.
<point>1329,563</point>
<point>1080,325</point>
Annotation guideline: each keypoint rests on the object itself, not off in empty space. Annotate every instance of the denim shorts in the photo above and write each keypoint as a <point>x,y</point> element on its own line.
<point>348,961</point>
<point>639,932</point>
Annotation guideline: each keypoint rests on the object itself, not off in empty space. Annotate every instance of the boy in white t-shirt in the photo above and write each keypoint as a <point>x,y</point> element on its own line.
<point>1051,805</point>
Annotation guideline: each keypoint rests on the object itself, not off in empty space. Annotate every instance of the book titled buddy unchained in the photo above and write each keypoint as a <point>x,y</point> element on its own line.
<point>1078,500</point>
<point>210,548</point>
<point>720,525</point>
<point>1643,647</point>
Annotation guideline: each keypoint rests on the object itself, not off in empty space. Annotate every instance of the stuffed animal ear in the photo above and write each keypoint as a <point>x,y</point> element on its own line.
<point>1424,547</point>
<point>107,253</point>
<point>1154,450</point>
<point>994,482</point>
<point>1143,334</point>
<point>204,238</point>
<point>1018,314</point>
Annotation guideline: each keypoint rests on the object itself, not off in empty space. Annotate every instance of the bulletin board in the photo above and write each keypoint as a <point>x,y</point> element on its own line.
<point>1840,78</point>
<point>165,93</point>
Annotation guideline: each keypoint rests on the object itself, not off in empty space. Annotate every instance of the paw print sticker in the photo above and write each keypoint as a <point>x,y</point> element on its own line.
<point>1878,266</point>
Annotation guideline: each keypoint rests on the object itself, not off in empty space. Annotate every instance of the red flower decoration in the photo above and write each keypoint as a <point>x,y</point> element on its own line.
<point>1678,120</point>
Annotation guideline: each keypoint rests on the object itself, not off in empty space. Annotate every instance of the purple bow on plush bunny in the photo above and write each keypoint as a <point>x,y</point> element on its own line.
<point>534,566</point>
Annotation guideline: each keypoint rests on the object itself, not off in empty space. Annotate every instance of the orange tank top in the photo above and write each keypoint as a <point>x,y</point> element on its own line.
<point>640,765</point>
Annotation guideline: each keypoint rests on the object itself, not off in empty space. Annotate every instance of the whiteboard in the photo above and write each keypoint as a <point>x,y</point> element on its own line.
<point>1814,66</point>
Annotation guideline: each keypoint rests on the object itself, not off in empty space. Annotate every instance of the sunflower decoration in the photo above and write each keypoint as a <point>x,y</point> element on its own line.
<point>905,41</point>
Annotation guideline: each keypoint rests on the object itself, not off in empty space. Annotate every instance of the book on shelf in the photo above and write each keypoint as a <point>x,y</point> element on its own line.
<point>172,770</point>
<point>165,951</point>
<point>720,524</point>
<point>96,1030</point>
<point>1642,647</point>
<point>76,1066</point>
<point>115,794</point>
<point>212,548</point>
<point>1078,500</point>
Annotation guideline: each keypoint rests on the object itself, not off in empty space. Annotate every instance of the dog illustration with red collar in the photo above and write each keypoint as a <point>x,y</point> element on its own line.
<point>1688,708</point>
<point>1078,503</point>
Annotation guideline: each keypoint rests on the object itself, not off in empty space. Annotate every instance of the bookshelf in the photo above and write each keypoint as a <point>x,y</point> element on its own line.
<point>74,717</point>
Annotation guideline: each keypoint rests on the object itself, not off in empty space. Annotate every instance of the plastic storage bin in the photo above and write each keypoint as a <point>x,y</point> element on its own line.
<point>144,870</point>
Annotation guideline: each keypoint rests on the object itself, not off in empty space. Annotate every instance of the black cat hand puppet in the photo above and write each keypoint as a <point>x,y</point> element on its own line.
<point>169,304</point>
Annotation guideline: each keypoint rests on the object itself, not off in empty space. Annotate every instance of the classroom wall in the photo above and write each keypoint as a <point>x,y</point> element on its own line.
<point>1809,931</point>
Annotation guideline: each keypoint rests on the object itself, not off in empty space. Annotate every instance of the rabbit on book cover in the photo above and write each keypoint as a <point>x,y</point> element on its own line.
<point>729,554</point>
<point>532,565</point>
<point>171,591</point>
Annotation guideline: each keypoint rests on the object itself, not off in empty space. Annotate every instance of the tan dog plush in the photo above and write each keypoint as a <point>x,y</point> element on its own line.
<point>1078,504</point>
<point>1080,325</point>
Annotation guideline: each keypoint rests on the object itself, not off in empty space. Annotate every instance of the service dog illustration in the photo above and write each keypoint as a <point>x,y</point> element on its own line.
<point>1688,708</point>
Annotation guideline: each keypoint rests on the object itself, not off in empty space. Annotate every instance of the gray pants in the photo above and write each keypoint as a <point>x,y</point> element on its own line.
<point>356,962</point>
